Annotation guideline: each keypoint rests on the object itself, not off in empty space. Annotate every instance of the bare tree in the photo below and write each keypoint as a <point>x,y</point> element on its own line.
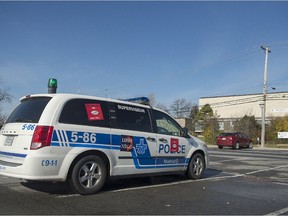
<point>181,108</point>
<point>5,97</point>
<point>162,107</point>
<point>152,99</point>
<point>154,103</point>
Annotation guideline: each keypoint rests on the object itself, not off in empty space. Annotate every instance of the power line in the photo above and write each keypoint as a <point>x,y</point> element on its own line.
<point>274,96</point>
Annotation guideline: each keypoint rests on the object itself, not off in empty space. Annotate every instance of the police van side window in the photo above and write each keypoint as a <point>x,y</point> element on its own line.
<point>132,118</point>
<point>166,125</point>
<point>85,112</point>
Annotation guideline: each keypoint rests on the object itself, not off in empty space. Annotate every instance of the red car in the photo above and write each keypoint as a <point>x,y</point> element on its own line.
<point>235,140</point>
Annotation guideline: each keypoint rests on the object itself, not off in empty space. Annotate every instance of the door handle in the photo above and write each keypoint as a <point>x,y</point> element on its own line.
<point>163,140</point>
<point>151,139</point>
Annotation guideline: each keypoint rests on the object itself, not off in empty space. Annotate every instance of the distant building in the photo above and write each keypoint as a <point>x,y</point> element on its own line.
<point>233,107</point>
<point>184,122</point>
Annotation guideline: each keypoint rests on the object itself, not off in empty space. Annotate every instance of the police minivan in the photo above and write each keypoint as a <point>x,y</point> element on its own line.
<point>86,139</point>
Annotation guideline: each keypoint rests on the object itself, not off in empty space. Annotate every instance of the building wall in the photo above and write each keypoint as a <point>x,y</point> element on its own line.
<point>237,106</point>
<point>231,108</point>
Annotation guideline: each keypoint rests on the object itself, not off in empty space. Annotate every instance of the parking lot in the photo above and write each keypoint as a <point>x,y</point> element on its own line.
<point>243,182</point>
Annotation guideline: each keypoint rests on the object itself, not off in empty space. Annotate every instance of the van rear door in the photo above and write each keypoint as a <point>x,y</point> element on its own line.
<point>17,132</point>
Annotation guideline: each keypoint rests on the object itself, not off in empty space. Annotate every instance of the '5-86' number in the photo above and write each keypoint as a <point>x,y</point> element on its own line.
<point>85,137</point>
<point>28,127</point>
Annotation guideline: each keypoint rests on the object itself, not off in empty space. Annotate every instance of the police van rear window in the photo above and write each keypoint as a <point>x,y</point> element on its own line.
<point>29,110</point>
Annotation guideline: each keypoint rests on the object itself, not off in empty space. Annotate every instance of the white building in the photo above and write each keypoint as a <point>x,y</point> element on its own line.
<point>230,108</point>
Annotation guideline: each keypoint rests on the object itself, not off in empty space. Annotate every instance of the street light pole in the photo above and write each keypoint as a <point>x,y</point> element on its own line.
<point>263,107</point>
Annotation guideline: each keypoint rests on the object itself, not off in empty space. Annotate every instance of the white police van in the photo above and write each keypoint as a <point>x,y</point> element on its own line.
<point>86,139</point>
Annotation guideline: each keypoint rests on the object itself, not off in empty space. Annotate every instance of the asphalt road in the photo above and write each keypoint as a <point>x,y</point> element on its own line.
<point>244,182</point>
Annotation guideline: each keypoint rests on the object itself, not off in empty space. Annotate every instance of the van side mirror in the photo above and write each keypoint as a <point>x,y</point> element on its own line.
<point>185,132</point>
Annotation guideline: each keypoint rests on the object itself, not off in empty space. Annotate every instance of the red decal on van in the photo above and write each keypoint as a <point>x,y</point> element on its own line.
<point>94,112</point>
<point>174,145</point>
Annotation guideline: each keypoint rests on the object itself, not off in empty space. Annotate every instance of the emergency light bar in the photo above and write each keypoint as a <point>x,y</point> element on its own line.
<point>140,100</point>
<point>52,86</point>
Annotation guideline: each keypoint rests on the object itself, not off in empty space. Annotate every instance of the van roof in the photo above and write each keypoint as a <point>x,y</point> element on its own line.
<point>67,96</point>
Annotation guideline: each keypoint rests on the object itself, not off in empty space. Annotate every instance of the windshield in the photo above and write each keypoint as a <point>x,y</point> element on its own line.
<point>29,110</point>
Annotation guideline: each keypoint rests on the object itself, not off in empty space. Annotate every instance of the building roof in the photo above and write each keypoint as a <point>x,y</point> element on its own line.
<point>256,94</point>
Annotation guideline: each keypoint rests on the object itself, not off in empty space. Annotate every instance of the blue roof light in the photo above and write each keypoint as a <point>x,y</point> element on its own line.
<point>140,100</point>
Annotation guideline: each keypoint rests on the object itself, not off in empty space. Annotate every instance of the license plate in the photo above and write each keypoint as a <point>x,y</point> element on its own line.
<point>9,141</point>
<point>224,138</point>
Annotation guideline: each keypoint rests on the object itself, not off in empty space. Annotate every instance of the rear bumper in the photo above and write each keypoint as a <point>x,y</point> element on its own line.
<point>225,144</point>
<point>34,168</point>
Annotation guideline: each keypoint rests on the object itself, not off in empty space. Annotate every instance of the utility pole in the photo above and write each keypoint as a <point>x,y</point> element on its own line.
<point>263,104</point>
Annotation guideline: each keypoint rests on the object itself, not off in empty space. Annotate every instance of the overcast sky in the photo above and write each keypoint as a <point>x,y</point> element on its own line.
<point>185,49</point>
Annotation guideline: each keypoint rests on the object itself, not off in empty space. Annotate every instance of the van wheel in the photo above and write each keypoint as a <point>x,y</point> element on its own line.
<point>220,147</point>
<point>196,167</point>
<point>250,145</point>
<point>88,175</point>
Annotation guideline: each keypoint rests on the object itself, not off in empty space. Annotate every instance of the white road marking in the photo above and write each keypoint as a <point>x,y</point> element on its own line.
<point>173,183</point>
<point>279,212</point>
<point>236,159</point>
<point>280,183</point>
<point>264,170</point>
<point>70,195</point>
<point>233,175</point>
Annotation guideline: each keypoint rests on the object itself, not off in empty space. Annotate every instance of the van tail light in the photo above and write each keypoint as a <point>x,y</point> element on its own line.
<point>42,137</point>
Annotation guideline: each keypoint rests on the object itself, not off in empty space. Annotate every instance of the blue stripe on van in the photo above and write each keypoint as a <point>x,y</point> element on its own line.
<point>87,145</point>
<point>13,154</point>
<point>140,153</point>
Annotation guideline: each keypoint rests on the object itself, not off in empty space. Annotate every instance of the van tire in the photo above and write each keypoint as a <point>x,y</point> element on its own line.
<point>196,167</point>
<point>88,175</point>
